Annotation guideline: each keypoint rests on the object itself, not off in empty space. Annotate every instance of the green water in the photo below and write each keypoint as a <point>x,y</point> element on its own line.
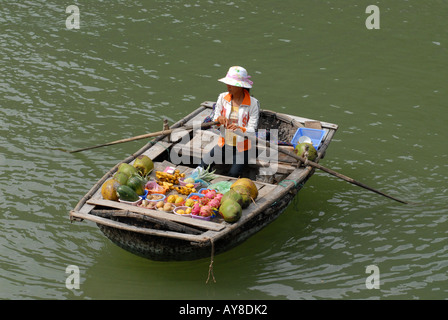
<point>133,63</point>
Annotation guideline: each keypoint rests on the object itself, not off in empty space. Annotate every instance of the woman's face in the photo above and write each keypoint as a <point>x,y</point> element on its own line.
<point>234,90</point>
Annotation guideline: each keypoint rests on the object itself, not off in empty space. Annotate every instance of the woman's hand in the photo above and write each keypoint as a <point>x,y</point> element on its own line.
<point>232,126</point>
<point>222,120</point>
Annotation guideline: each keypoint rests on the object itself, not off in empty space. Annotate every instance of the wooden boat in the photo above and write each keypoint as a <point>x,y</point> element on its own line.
<point>163,236</point>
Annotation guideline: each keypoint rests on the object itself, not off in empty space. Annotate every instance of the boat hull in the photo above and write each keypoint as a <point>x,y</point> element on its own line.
<point>169,249</point>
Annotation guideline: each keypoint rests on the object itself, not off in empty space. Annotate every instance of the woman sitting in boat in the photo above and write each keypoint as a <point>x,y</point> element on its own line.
<point>236,111</point>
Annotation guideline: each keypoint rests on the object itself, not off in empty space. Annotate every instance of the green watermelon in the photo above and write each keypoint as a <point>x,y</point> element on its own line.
<point>137,183</point>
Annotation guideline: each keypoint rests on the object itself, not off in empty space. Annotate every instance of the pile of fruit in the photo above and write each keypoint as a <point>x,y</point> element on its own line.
<point>186,190</point>
<point>201,176</point>
<point>162,203</point>
<point>153,187</point>
<point>176,199</point>
<point>153,197</point>
<point>228,205</point>
<point>168,177</point>
<point>242,192</point>
<point>157,205</point>
<point>169,182</point>
<point>182,211</point>
<point>205,206</point>
<point>130,181</point>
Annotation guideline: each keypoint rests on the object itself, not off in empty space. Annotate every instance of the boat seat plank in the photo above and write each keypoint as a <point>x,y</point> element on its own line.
<point>199,118</point>
<point>264,190</point>
<point>86,208</point>
<point>210,225</point>
<point>157,149</point>
<point>154,232</point>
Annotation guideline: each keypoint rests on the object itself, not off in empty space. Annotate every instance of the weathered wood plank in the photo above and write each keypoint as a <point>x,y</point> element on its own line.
<point>157,149</point>
<point>264,190</point>
<point>159,214</point>
<point>167,224</point>
<point>124,226</point>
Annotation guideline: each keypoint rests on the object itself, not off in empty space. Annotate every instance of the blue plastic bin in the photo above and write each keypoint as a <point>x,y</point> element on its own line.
<point>316,136</point>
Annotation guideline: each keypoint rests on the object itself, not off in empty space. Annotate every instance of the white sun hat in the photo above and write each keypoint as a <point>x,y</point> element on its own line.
<point>238,77</point>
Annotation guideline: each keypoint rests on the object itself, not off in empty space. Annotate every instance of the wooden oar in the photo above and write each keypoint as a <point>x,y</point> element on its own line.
<point>318,166</point>
<point>144,136</point>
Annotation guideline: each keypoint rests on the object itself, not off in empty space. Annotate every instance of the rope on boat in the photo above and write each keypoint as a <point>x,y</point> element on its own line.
<point>281,183</point>
<point>210,267</point>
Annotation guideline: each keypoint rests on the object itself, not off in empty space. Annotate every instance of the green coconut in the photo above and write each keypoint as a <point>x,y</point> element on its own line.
<point>144,165</point>
<point>244,192</point>
<point>301,148</point>
<point>232,194</point>
<point>121,177</point>
<point>249,184</point>
<point>128,169</point>
<point>230,210</point>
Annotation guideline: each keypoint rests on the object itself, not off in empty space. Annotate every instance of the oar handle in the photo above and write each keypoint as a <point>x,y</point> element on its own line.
<point>148,135</point>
